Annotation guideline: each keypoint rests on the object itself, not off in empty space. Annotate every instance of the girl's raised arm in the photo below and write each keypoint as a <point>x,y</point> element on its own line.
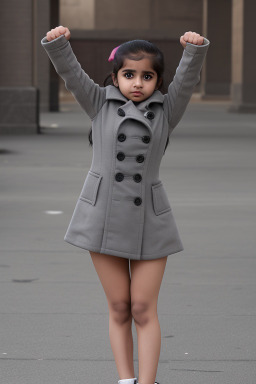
<point>186,78</point>
<point>89,95</point>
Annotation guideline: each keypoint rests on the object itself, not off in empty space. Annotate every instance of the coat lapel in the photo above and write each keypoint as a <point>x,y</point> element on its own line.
<point>157,97</point>
<point>131,110</point>
<point>113,93</point>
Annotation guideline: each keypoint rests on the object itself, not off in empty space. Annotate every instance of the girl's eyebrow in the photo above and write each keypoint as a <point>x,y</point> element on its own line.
<point>133,70</point>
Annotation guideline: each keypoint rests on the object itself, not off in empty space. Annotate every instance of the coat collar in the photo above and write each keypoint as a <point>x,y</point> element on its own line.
<point>113,93</point>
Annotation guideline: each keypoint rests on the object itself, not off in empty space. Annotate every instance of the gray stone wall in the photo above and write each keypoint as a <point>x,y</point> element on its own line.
<point>16,29</point>
<point>173,16</point>
<point>77,13</point>
<point>177,16</point>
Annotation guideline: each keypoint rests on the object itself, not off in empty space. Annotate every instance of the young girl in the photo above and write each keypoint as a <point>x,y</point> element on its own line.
<point>123,216</point>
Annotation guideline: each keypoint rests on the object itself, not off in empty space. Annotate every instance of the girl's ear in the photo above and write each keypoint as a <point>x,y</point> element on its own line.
<point>114,79</point>
<point>159,83</point>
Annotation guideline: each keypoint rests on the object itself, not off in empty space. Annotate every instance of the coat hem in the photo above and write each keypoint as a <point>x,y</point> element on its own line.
<point>122,254</point>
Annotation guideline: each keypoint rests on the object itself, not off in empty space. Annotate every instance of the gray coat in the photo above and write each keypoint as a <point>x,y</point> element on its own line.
<point>123,208</point>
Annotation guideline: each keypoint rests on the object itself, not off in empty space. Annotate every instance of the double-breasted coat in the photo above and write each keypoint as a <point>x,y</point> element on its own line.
<point>123,208</point>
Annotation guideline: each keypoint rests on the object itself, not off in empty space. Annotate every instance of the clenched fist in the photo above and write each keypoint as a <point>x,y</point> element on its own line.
<point>191,37</point>
<point>57,32</point>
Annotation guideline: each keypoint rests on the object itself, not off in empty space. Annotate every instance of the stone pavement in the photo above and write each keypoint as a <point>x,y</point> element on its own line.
<point>54,314</point>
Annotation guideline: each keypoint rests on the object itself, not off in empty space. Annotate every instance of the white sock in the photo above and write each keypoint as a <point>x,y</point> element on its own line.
<point>128,381</point>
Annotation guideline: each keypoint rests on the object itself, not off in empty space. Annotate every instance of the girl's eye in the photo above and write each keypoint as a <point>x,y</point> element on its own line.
<point>128,75</point>
<point>147,77</point>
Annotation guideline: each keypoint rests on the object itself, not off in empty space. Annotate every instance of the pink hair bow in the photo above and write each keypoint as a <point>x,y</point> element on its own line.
<point>112,55</point>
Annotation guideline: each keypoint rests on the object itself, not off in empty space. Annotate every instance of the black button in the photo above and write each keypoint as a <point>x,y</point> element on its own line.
<point>137,201</point>
<point>140,159</point>
<point>121,112</point>
<point>137,177</point>
<point>121,137</point>
<point>120,156</point>
<point>119,176</point>
<point>146,139</point>
<point>149,115</point>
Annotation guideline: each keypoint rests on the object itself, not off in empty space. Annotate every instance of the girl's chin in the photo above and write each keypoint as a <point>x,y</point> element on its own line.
<point>137,97</point>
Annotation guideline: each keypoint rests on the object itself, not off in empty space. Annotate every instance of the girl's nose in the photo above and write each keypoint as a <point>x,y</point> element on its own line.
<point>138,82</point>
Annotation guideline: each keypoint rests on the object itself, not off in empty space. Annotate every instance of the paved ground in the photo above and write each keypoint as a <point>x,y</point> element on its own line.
<point>54,315</point>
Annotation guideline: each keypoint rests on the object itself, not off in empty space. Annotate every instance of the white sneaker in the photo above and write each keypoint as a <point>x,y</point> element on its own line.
<point>128,381</point>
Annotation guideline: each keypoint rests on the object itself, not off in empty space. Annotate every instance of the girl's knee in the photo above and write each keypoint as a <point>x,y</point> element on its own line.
<point>142,312</point>
<point>120,311</point>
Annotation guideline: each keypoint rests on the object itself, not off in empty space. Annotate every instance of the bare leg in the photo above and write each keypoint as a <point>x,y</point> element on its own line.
<point>114,275</point>
<point>146,278</point>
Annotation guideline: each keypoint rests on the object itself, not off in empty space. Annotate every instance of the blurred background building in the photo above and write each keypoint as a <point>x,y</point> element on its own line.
<point>29,83</point>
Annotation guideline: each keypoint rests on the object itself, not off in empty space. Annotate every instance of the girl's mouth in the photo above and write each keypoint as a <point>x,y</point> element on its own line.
<point>137,93</point>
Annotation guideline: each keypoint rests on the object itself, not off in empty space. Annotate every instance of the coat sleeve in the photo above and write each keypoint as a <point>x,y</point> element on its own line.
<point>186,78</point>
<point>89,95</point>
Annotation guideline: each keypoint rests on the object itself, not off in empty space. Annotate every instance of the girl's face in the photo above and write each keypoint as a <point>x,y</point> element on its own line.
<point>136,80</point>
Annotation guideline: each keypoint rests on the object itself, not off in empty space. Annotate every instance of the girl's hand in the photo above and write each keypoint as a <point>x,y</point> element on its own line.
<point>191,37</point>
<point>57,32</point>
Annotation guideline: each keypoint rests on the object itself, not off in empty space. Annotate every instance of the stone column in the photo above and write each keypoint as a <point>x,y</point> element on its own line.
<point>243,89</point>
<point>54,81</point>
<point>18,95</point>
<point>216,74</point>
<point>45,17</point>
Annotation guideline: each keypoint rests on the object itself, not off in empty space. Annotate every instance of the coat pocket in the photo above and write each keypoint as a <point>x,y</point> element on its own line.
<point>160,199</point>
<point>90,188</point>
